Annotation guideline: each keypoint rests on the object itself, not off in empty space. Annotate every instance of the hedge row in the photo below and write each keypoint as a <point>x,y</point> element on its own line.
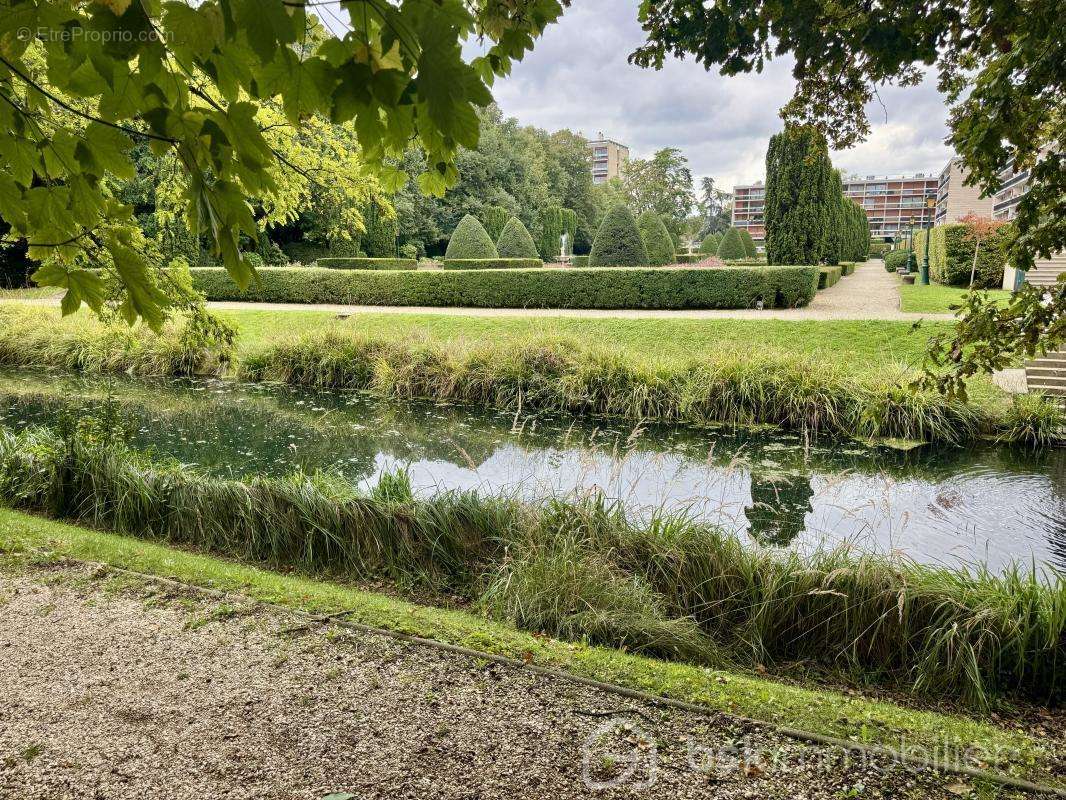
<point>828,276</point>
<point>847,268</point>
<point>366,263</point>
<point>492,263</point>
<point>951,250</point>
<point>690,258</point>
<point>579,261</point>
<point>745,262</point>
<point>618,287</point>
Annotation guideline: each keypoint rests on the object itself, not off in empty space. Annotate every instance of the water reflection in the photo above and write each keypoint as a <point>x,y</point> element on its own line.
<point>937,504</point>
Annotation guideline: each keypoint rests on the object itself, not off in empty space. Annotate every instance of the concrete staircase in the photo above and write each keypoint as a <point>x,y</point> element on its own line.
<point>1047,374</point>
<point>1047,271</point>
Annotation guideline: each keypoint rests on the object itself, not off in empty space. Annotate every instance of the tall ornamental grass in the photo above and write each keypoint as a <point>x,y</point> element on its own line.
<point>671,586</point>
<point>562,374</point>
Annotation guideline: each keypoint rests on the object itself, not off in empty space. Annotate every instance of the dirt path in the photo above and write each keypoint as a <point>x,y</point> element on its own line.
<point>114,689</point>
<point>869,294</point>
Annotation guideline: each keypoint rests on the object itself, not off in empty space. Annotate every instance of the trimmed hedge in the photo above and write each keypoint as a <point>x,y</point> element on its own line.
<point>515,241</point>
<point>951,249</point>
<point>828,276</point>
<point>896,259</point>
<point>750,250</point>
<point>579,261</point>
<point>470,240</point>
<point>492,263</point>
<point>618,242</point>
<point>746,262</point>
<point>690,258</point>
<point>615,287</point>
<point>366,263</point>
<point>878,249</point>
<point>847,268</point>
<point>656,238</point>
<point>709,245</point>
<point>732,246</point>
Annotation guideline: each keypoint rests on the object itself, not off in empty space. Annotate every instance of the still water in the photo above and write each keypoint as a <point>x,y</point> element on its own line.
<point>936,504</point>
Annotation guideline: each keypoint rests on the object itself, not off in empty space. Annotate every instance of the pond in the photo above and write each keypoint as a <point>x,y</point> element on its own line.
<point>936,504</point>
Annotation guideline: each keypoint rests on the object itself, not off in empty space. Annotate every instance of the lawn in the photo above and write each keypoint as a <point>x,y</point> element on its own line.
<point>823,711</point>
<point>936,299</point>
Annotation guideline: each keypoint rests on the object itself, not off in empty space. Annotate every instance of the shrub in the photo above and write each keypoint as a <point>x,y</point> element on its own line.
<point>828,276</point>
<point>618,242</point>
<point>896,259</point>
<point>709,245</point>
<point>732,246</point>
<point>750,251</point>
<point>492,263</point>
<point>579,261</point>
<point>847,268</point>
<point>494,218</point>
<point>656,238</point>
<point>803,206</point>
<point>689,258</point>
<point>951,250</point>
<point>470,240</point>
<point>879,248</point>
<point>515,241</point>
<point>720,287</point>
<point>366,263</point>
<point>379,241</point>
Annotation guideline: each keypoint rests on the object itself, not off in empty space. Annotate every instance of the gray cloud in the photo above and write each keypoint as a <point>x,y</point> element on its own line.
<point>578,77</point>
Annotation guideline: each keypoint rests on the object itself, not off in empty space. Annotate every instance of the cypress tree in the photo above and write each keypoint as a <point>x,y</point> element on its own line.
<point>554,222</point>
<point>732,246</point>
<point>379,241</point>
<point>656,238</point>
<point>618,242</point>
<point>802,192</point>
<point>515,241</point>
<point>494,218</point>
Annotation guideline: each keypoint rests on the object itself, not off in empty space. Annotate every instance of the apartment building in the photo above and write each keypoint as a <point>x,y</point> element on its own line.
<point>955,200</point>
<point>892,203</point>
<point>608,156</point>
<point>1013,186</point>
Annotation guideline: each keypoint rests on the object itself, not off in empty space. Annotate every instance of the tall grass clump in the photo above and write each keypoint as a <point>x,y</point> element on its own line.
<point>1034,420</point>
<point>82,343</point>
<point>566,375</point>
<point>583,570</point>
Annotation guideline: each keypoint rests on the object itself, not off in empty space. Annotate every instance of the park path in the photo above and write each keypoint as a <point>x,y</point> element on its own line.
<point>119,688</point>
<point>869,294</point>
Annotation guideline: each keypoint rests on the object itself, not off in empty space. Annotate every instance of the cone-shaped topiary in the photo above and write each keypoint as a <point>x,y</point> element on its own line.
<point>709,245</point>
<point>749,244</point>
<point>732,246</point>
<point>657,239</point>
<point>470,240</point>
<point>618,242</point>
<point>515,241</point>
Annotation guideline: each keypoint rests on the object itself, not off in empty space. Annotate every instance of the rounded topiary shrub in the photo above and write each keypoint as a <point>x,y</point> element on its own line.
<point>731,246</point>
<point>657,239</point>
<point>709,245</point>
<point>618,242</point>
<point>470,240</point>
<point>515,241</point>
<point>749,244</point>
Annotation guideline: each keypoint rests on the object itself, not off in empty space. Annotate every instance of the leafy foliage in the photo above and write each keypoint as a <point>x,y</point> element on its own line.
<point>470,240</point>
<point>618,242</point>
<point>662,184</point>
<point>960,251</point>
<point>494,218</point>
<point>379,241</point>
<point>731,246</point>
<point>515,241</point>
<point>193,82</point>
<point>656,238</point>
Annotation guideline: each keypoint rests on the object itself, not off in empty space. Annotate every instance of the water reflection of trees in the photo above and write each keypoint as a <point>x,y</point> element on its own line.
<point>779,507</point>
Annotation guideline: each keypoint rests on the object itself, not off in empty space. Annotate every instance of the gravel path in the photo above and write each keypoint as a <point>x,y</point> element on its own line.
<point>869,294</point>
<point>115,688</point>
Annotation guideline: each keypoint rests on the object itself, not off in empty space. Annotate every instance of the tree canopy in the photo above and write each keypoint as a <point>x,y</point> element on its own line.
<point>205,84</point>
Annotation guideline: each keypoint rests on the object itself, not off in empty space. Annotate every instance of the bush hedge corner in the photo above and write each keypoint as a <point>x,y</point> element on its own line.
<point>828,276</point>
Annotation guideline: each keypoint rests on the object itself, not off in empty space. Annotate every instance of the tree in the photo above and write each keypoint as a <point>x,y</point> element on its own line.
<point>802,198</point>
<point>732,246</point>
<point>191,80</point>
<point>662,184</point>
<point>1002,68</point>
<point>750,250</point>
<point>618,242</point>
<point>714,207</point>
<point>470,240</point>
<point>495,218</point>
<point>515,241</point>
<point>656,238</point>
<point>379,239</point>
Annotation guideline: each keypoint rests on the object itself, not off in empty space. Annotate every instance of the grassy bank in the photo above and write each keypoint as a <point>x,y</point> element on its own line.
<point>829,712</point>
<point>671,587</point>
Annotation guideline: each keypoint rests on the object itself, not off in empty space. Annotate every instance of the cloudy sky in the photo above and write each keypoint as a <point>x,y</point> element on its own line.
<point>578,77</point>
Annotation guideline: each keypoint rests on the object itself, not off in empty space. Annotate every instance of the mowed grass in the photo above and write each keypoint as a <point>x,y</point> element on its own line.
<point>935,299</point>
<point>23,536</point>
